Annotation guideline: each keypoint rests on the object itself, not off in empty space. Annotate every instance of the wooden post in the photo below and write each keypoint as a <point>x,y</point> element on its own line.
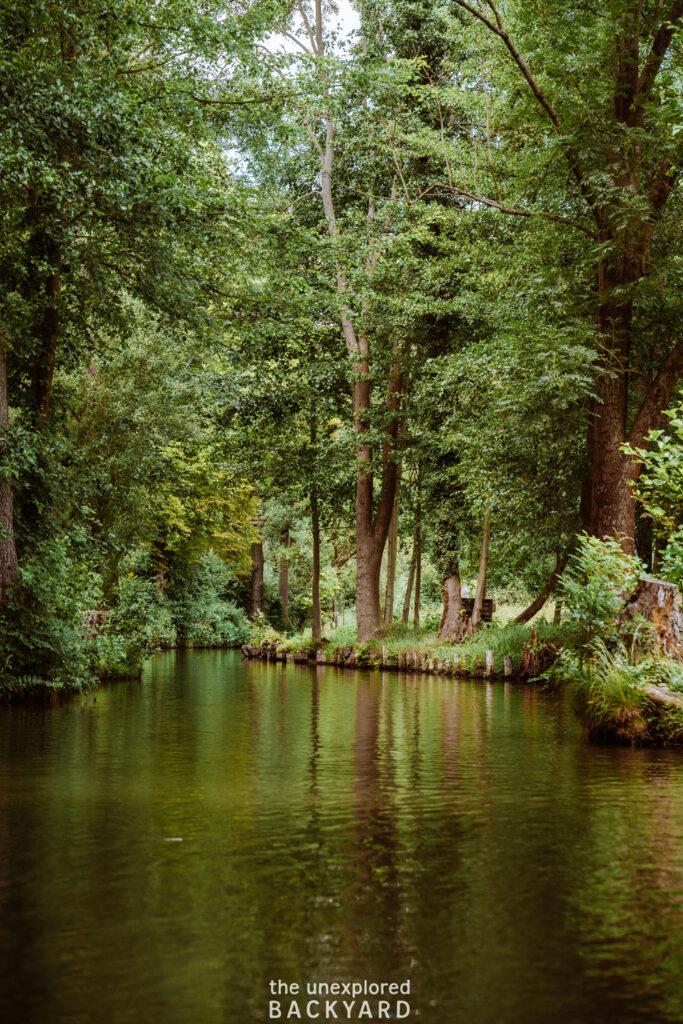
<point>489,663</point>
<point>507,666</point>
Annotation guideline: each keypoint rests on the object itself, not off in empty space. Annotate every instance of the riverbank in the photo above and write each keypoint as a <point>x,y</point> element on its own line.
<point>495,652</point>
<point>625,696</point>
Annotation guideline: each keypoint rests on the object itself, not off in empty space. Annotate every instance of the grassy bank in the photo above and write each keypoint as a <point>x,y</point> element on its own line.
<point>399,640</point>
<point>624,695</point>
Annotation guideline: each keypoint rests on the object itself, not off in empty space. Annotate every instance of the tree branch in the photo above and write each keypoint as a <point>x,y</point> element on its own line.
<point>499,29</point>
<point>307,25</point>
<point>657,397</point>
<point>502,33</point>
<point>542,597</point>
<point>556,217</point>
<point>660,45</point>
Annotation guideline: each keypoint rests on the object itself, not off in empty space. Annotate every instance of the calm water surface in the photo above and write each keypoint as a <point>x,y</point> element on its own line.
<point>167,850</point>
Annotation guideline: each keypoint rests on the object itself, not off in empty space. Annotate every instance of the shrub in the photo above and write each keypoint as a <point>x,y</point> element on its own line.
<point>42,639</point>
<point>203,613</point>
<point>139,623</point>
<point>598,579</point>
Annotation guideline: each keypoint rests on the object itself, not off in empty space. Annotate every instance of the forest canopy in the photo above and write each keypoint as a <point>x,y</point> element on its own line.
<point>313,310</point>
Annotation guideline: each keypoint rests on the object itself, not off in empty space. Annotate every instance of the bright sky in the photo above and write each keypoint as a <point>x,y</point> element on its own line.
<point>345,23</point>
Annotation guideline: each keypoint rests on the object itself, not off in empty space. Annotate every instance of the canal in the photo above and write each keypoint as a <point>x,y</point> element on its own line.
<point>170,848</point>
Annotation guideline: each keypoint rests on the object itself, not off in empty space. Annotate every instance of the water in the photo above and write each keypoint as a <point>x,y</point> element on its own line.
<point>169,849</point>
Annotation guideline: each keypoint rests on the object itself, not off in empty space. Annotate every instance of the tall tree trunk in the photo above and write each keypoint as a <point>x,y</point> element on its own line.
<point>413,559</point>
<point>256,580</point>
<point>453,624</point>
<point>372,530</point>
<point>9,565</point>
<point>392,553</point>
<point>371,527</point>
<point>283,580</point>
<point>409,590</point>
<point>317,629</point>
<point>612,499</point>
<point>481,581</point>
<point>316,625</point>
<point>418,584</point>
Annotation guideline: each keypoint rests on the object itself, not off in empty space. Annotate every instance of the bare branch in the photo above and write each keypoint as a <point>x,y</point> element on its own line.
<point>501,31</point>
<point>299,199</point>
<point>292,38</point>
<point>498,28</point>
<point>319,27</point>
<point>397,165</point>
<point>307,24</point>
<point>516,211</point>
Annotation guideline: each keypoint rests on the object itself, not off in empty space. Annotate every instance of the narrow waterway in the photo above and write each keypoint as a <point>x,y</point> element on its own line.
<point>168,849</point>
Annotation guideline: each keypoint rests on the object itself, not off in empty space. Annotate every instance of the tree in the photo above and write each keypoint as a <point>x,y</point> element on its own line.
<point>9,566</point>
<point>104,182</point>
<point>621,150</point>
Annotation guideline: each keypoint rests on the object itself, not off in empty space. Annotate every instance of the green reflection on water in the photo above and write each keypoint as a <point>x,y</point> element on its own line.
<point>170,848</point>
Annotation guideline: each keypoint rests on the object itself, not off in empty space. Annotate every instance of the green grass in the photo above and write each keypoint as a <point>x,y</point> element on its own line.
<point>503,637</point>
<point>608,693</point>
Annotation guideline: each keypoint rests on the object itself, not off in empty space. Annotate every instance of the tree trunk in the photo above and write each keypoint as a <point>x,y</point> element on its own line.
<point>418,583</point>
<point>614,472</point>
<point>392,553</point>
<point>44,367</point>
<point>545,593</point>
<point>409,590</point>
<point>256,580</point>
<point>316,627</point>
<point>453,624</point>
<point>368,565</point>
<point>371,530</point>
<point>612,500</point>
<point>481,582</point>
<point>9,566</point>
<point>283,580</point>
<point>413,563</point>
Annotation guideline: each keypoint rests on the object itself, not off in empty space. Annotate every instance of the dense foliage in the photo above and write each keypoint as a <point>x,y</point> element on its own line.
<point>318,315</point>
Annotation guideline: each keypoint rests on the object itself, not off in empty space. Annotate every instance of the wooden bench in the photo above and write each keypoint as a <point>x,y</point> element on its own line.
<point>488,607</point>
